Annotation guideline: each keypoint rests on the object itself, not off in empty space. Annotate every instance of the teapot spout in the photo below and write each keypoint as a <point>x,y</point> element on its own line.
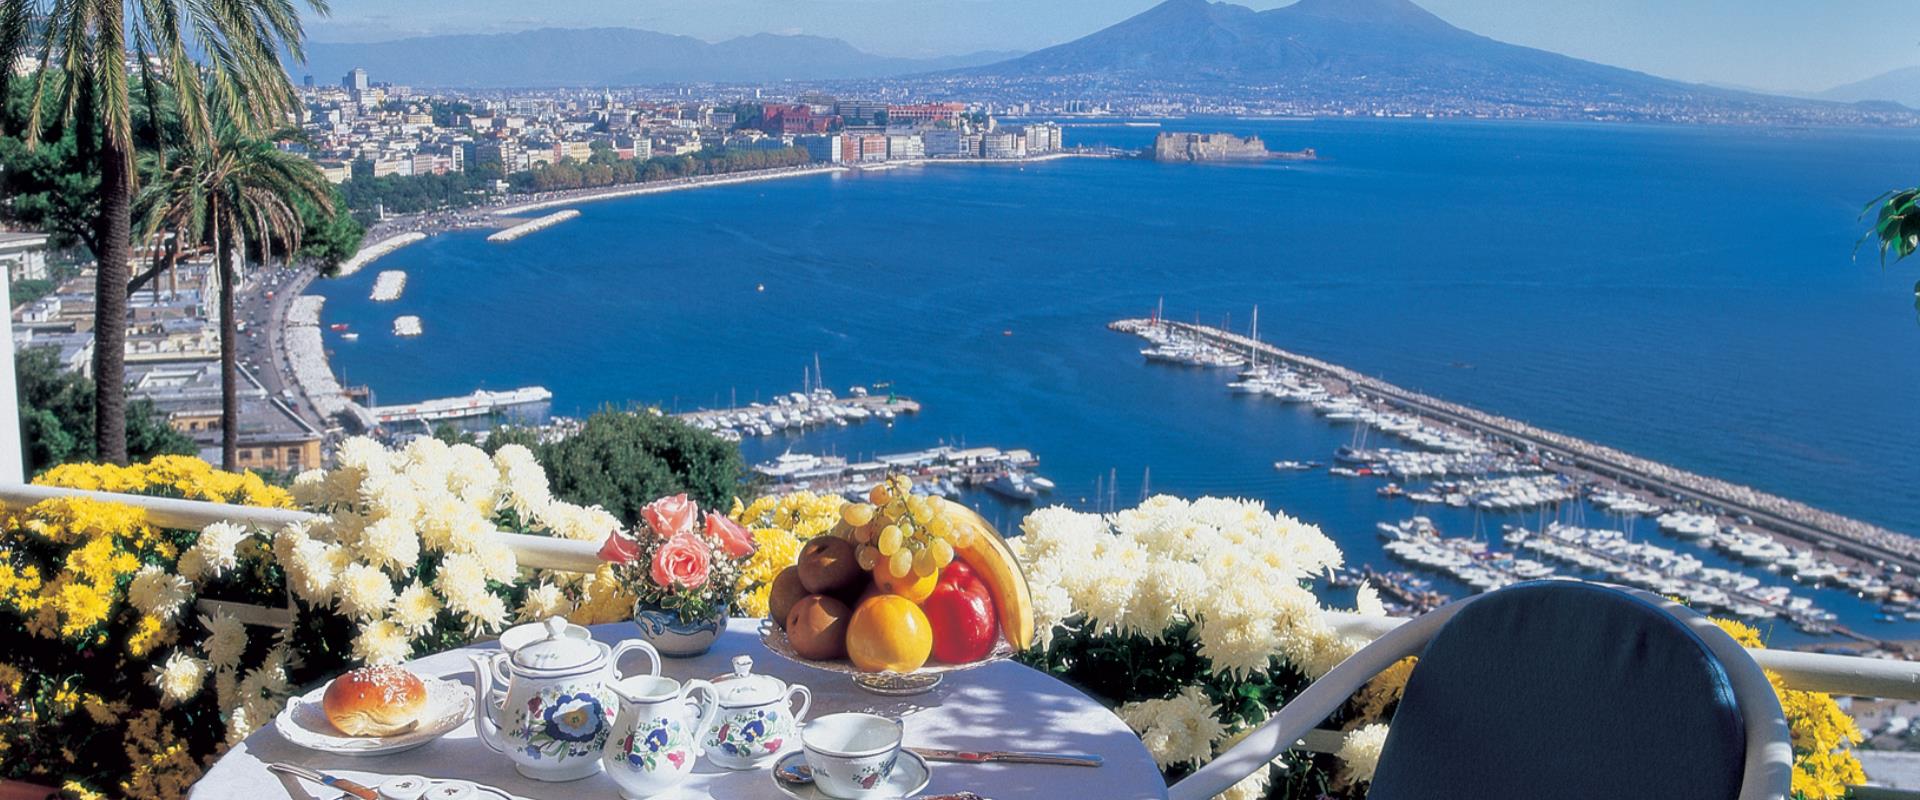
<point>483,710</point>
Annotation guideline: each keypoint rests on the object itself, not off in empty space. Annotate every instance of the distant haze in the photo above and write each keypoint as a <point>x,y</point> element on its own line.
<point>1782,45</point>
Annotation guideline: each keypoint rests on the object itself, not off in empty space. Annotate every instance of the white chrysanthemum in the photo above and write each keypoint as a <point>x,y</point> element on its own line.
<point>1316,649</point>
<point>567,521</point>
<point>391,544</point>
<point>226,639</point>
<point>439,513</point>
<point>226,687</point>
<point>240,723</point>
<point>1164,590</point>
<point>310,488</point>
<point>158,592</point>
<point>487,614</point>
<point>1361,750</point>
<point>499,562</point>
<point>309,564</point>
<point>461,582</point>
<point>364,455</point>
<point>214,553</point>
<point>415,609</point>
<point>1252,787</point>
<point>542,601</point>
<point>1237,644</point>
<point>180,677</point>
<point>1177,730</point>
<point>381,642</point>
<point>363,591</point>
<point>1367,602</point>
<point>473,477</point>
<point>469,532</point>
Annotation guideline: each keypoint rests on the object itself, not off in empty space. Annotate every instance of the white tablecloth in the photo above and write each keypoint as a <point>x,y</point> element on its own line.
<point>1003,706</point>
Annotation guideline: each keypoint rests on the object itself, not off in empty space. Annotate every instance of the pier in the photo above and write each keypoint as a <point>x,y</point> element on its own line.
<point>479,404</point>
<point>1583,459</point>
<point>371,252</point>
<point>534,225</point>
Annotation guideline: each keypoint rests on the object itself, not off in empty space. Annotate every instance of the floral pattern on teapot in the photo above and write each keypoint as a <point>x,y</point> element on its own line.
<point>751,734</point>
<point>563,722</point>
<point>660,739</point>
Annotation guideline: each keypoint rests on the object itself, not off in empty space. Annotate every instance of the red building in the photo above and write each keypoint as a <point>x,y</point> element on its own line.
<point>778,118</point>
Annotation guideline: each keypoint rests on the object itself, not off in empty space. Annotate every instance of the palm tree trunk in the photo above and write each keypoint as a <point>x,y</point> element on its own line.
<point>229,346</point>
<point>114,226</point>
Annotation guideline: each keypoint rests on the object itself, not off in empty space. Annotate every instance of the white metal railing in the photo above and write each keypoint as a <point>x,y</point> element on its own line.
<point>1817,672</point>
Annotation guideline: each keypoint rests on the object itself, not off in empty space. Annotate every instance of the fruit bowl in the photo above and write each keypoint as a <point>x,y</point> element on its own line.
<point>895,684</point>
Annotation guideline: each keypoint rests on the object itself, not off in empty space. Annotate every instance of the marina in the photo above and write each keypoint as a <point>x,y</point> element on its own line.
<point>388,285</point>
<point>943,471</point>
<point>533,225</point>
<point>799,411</point>
<point>1497,468</point>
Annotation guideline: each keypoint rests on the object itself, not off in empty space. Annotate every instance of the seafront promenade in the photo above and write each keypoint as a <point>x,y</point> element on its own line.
<point>1778,515</point>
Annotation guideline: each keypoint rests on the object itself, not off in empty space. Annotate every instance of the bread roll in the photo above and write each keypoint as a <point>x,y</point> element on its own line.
<point>375,701</point>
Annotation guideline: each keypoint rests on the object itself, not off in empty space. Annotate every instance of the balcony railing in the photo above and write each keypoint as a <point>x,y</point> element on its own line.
<point>1853,676</point>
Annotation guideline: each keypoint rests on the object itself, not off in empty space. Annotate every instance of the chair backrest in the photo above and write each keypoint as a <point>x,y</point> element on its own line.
<point>1565,690</point>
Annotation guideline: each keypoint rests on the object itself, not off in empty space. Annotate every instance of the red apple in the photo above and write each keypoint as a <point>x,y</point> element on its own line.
<point>963,623</point>
<point>960,576</point>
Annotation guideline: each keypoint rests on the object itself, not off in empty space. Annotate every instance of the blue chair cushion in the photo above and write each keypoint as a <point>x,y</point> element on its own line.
<point>1557,689</point>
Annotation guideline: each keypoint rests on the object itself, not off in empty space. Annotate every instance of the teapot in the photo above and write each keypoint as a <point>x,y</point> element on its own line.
<point>754,717</point>
<point>656,734</point>
<point>558,709</point>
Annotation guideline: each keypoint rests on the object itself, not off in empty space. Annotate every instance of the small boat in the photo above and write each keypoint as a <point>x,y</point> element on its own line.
<point>351,337</point>
<point>1013,486</point>
<point>1292,465</point>
<point>338,326</point>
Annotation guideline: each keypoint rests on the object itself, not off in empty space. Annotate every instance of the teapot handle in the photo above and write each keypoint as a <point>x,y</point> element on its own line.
<point>653,656</point>
<point>707,710</point>
<point>806,701</point>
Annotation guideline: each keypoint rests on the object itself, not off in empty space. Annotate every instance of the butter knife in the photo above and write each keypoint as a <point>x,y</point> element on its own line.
<point>330,781</point>
<point>1008,757</point>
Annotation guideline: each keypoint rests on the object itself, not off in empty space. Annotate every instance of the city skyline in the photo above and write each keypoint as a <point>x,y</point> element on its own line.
<point>1776,45</point>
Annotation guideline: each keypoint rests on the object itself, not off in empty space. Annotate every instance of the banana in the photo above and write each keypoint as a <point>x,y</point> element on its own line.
<point>989,556</point>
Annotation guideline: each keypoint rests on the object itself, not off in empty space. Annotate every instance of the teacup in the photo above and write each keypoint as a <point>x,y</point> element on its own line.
<point>852,755</point>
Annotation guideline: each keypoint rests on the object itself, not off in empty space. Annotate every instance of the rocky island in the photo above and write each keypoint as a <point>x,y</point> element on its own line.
<point>1170,146</point>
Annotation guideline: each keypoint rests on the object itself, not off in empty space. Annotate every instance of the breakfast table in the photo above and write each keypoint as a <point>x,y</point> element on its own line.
<point>998,706</point>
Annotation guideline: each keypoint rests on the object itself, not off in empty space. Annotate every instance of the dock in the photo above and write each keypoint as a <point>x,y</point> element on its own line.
<point>1774,514</point>
<point>801,410</point>
<point>479,404</point>
<point>942,471</point>
<point>533,225</point>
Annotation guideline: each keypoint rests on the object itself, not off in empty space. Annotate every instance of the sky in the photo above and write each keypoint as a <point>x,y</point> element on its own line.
<point>1780,45</point>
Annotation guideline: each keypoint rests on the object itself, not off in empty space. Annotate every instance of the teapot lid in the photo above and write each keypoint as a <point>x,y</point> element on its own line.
<point>743,688</point>
<point>556,651</point>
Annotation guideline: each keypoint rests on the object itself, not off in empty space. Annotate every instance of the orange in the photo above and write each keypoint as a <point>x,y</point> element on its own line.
<point>913,587</point>
<point>888,633</point>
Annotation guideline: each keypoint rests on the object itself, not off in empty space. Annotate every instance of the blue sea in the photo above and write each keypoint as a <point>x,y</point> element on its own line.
<point>1689,294</point>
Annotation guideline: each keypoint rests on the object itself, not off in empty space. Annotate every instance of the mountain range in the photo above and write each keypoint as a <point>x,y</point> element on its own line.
<point>1379,48</point>
<point>609,57</point>
<point>1899,86</point>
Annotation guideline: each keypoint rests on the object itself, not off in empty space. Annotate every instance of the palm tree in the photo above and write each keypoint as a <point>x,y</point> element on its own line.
<point>1896,227</point>
<point>87,50</point>
<point>234,193</point>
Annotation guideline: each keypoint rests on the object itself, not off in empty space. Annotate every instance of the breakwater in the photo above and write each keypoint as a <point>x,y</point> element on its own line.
<point>307,354</point>
<point>534,225</point>
<point>370,253</point>
<point>388,285</point>
<point>1776,514</point>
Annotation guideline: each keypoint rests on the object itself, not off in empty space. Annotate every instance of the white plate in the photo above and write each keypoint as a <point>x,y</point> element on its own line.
<point>910,776</point>
<point>304,722</point>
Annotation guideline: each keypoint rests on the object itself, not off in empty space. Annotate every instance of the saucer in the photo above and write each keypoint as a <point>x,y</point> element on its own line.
<point>449,705</point>
<point>910,775</point>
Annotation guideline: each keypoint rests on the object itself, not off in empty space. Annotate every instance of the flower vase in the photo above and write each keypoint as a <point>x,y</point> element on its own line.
<point>674,637</point>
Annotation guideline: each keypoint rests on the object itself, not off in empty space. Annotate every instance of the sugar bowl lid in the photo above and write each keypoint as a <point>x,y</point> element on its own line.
<point>744,688</point>
<point>556,651</point>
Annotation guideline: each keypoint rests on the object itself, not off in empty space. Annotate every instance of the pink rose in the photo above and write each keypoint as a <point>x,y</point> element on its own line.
<point>733,538</point>
<point>681,563</point>
<point>619,549</point>
<point>670,516</point>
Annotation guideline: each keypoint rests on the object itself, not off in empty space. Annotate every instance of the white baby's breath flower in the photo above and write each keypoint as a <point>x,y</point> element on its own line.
<point>415,609</point>
<point>158,592</point>
<point>226,640</point>
<point>180,677</point>
<point>381,642</point>
<point>363,591</point>
<point>1361,750</point>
